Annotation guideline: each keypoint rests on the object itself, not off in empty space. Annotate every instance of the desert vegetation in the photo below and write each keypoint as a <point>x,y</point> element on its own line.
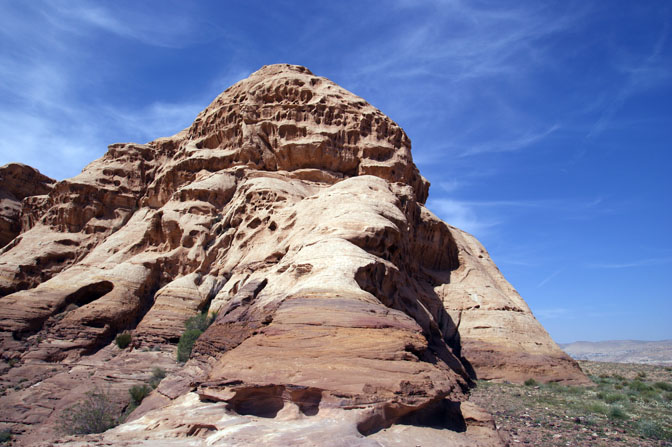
<point>95,414</point>
<point>627,405</point>
<point>5,437</point>
<point>98,412</point>
<point>193,328</point>
<point>123,340</point>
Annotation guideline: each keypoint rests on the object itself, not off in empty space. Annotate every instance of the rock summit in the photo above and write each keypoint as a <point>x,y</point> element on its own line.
<point>346,312</point>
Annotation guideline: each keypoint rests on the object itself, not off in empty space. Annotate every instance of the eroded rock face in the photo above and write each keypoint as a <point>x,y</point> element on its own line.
<point>19,182</point>
<point>293,209</point>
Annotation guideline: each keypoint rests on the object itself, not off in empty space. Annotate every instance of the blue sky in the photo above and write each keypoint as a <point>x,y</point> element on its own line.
<point>544,127</point>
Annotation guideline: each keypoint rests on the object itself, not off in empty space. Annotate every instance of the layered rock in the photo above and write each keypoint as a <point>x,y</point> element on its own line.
<point>19,182</point>
<point>293,209</point>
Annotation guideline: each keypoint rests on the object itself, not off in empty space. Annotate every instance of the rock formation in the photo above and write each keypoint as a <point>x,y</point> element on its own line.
<point>17,182</point>
<point>347,313</point>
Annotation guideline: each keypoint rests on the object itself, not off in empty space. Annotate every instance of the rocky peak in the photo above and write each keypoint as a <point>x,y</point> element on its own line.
<point>293,209</point>
<point>284,118</point>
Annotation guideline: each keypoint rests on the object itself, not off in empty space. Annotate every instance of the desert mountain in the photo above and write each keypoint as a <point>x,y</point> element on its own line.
<point>622,351</point>
<point>346,312</point>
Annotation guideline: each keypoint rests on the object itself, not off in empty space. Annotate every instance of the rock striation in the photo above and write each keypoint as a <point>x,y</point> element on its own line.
<point>346,312</point>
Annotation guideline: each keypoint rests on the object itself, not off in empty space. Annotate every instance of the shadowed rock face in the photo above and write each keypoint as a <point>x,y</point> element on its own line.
<point>293,209</point>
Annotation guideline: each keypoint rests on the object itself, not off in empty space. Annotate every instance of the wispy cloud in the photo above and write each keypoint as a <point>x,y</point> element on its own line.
<point>452,185</point>
<point>461,215</point>
<point>516,143</point>
<point>549,278</point>
<point>169,26</point>
<point>552,313</point>
<point>457,55</point>
<point>480,216</point>
<point>45,120</point>
<point>566,205</point>
<point>631,264</point>
<point>639,75</point>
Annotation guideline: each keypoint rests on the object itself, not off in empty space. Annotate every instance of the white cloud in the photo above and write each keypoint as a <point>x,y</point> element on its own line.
<point>450,58</point>
<point>552,313</point>
<point>516,143</point>
<point>631,264</point>
<point>549,278</point>
<point>44,119</point>
<point>168,26</point>
<point>451,185</point>
<point>639,75</point>
<point>461,215</point>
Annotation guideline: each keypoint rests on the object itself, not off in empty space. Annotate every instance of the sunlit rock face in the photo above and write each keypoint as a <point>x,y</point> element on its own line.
<point>347,313</point>
<point>18,182</point>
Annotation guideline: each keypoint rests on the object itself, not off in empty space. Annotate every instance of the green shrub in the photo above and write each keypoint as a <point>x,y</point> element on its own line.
<point>530,382</point>
<point>575,389</point>
<point>123,340</point>
<point>5,436</point>
<point>649,395</point>
<point>596,407</point>
<point>138,393</point>
<point>639,386</point>
<point>617,413</point>
<point>186,344</point>
<point>158,374</point>
<point>200,322</point>
<point>95,414</point>
<point>651,429</point>
<point>663,386</point>
<point>610,398</point>
<point>194,327</point>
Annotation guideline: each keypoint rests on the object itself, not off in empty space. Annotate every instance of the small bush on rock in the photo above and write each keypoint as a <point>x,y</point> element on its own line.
<point>200,322</point>
<point>158,374</point>
<point>5,436</point>
<point>530,382</point>
<point>186,344</point>
<point>95,414</point>
<point>123,340</point>
<point>194,327</point>
<point>138,393</point>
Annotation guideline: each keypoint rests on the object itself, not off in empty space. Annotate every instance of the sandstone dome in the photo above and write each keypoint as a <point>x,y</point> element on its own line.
<point>347,313</point>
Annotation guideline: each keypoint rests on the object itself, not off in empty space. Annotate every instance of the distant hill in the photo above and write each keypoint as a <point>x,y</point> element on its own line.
<point>622,351</point>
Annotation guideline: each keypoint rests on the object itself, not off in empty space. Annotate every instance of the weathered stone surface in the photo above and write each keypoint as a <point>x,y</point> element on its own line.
<point>346,311</point>
<point>499,336</point>
<point>18,182</point>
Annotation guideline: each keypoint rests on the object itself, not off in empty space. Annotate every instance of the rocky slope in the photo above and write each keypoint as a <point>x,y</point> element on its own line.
<point>347,313</point>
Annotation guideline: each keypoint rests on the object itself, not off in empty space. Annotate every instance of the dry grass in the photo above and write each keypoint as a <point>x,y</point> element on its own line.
<point>627,405</point>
